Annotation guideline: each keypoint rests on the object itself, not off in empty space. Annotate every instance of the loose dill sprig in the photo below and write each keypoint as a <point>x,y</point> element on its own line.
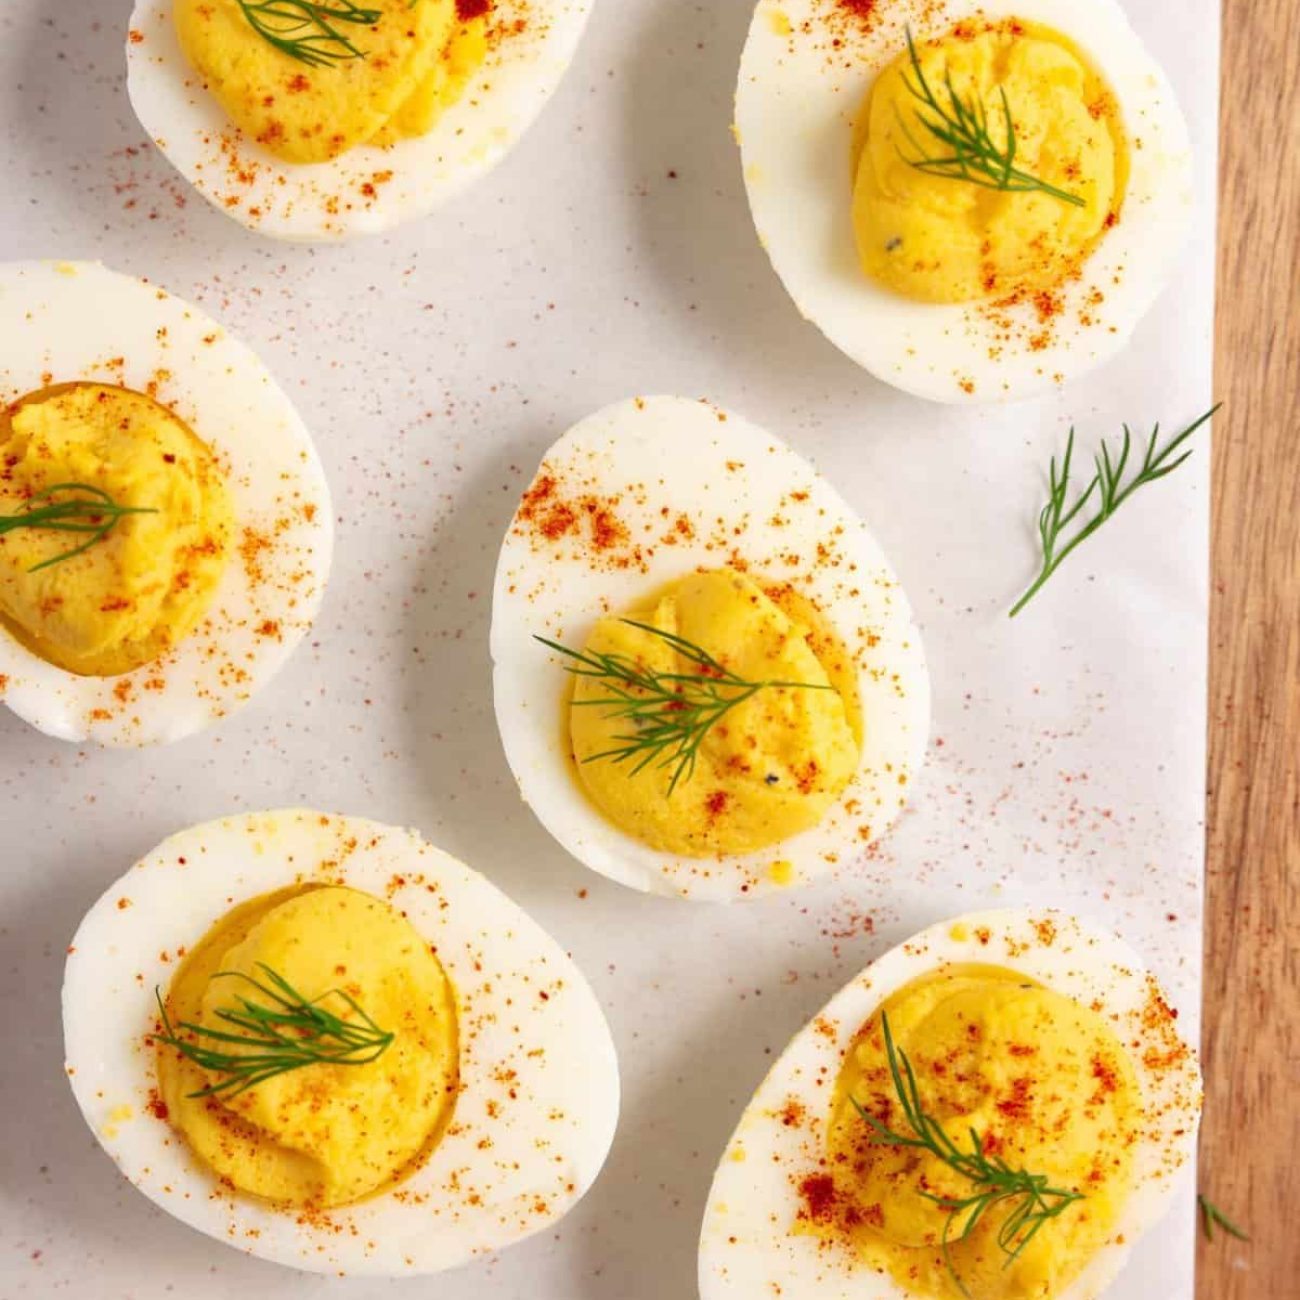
<point>962,126</point>
<point>1212,1217</point>
<point>670,713</point>
<point>281,1032</point>
<point>1108,486</point>
<point>89,510</point>
<point>1031,1199</point>
<point>309,30</point>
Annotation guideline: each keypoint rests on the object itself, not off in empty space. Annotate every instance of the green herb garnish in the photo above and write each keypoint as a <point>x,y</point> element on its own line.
<point>670,713</point>
<point>309,30</point>
<point>1212,1217</point>
<point>1030,1199</point>
<point>86,509</point>
<point>962,127</point>
<point>1107,486</point>
<point>281,1032</point>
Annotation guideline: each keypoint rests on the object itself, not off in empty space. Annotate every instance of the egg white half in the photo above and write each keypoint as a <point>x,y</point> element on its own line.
<point>805,71</point>
<point>368,189</point>
<point>539,1080</point>
<point>747,1244</point>
<point>746,497</point>
<point>69,321</point>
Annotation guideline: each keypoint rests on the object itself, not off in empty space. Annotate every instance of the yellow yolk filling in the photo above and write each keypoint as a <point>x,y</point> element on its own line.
<point>444,84</point>
<point>1046,1085</point>
<point>146,586</point>
<point>772,766</point>
<point>411,65</point>
<point>325,1134</point>
<point>939,239</point>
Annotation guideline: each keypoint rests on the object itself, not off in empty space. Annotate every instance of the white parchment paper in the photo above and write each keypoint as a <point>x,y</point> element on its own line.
<point>612,254</point>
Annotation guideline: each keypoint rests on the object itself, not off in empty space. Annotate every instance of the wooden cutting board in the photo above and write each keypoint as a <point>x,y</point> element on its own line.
<point>1250,1148</point>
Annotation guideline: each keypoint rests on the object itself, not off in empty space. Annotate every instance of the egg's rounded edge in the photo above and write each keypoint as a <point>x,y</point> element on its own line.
<point>936,352</point>
<point>1064,953</point>
<point>142,708</point>
<point>362,854</point>
<point>533,739</point>
<point>354,195</point>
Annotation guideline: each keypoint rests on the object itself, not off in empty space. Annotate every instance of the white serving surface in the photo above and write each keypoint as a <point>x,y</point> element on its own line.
<point>611,254</point>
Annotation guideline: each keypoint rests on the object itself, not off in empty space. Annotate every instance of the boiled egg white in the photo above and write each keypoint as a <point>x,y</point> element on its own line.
<point>64,322</point>
<point>538,1098</point>
<point>751,1243</point>
<point>806,68</point>
<point>368,189</point>
<point>646,492</point>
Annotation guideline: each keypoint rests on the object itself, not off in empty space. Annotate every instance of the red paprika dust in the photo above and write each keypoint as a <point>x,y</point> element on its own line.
<point>819,1197</point>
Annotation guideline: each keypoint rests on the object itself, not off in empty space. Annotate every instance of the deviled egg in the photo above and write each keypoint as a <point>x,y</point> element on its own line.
<point>328,1044</point>
<point>976,202</point>
<point>706,675</point>
<point>165,526</point>
<point>997,1108</point>
<point>321,121</point>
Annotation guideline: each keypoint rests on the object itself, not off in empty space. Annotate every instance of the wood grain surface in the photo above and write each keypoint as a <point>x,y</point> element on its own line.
<point>1252,993</point>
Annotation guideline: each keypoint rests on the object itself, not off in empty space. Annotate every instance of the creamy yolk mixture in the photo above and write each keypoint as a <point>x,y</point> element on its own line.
<point>773,765</point>
<point>411,65</point>
<point>145,587</point>
<point>1046,1085</point>
<point>939,239</point>
<point>326,1134</point>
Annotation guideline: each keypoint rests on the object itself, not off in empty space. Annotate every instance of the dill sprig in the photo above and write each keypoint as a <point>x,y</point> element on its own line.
<point>281,1032</point>
<point>670,712</point>
<point>309,30</point>
<point>1107,486</point>
<point>962,126</point>
<point>88,510</point>
<point>1030,1199</point>
<point>1212,1217</point>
